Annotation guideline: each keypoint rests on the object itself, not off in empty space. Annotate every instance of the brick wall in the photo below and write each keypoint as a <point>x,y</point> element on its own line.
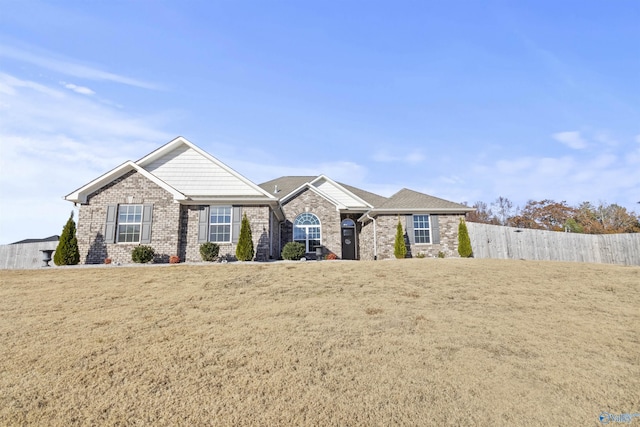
<point>386,236</point>
<point>309,201</point>
<point>131,188</point>
<point>258,219</point>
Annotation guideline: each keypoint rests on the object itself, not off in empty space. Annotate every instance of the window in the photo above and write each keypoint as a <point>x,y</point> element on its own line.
<point>129,223</point>
<point>421,230</point>
<point>306,230</point>
<point>220,224</point>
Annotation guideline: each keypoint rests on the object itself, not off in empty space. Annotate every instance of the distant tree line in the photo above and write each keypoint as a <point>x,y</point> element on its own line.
<point>558,216</point>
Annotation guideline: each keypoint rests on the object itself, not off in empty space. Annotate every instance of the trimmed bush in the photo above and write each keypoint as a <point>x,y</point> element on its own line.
<point>293,251</point>
<point>400,247</point>
<point>142,254</point>
<point>209,251</point>
<point>464,243</point>
<point>67,252</point>
<point>244,250</point>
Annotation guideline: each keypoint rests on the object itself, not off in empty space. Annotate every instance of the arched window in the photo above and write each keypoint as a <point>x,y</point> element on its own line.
<point>306,230</point>
<point>348,223</point>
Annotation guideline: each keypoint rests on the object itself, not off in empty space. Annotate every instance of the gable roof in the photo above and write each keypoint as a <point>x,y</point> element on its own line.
<point>192,175</point>
<point>372,198</point>
<point>342,195</point>
<point>196,173</point>
<point>187,172</point>
<point>80,195</point>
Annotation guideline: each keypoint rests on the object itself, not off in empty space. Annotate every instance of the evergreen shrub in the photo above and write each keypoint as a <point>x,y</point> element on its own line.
<point>464,243</point>
<point>293,251</point>
<point>244,249</point>
<point>142,254</point>
<point>400,247</point>
<point>67,252</point>
<point>209,251</point>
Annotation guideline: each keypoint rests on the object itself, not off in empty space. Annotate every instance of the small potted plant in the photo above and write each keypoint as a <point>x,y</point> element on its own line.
<point>107,260</point>
<point>174,259</point>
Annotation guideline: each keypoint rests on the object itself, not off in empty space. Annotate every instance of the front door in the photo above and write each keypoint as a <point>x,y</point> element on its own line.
<point>348,239</point>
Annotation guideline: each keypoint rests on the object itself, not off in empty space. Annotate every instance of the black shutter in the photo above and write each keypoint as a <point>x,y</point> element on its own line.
<point>434,223</point>
<point>147,217</point>
<point>110,226</point>
<point>203,224</point>
<point>236,220</point>
<point>409,229</point>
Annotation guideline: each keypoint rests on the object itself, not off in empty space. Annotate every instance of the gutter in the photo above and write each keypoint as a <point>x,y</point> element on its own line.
<point>422,210</point>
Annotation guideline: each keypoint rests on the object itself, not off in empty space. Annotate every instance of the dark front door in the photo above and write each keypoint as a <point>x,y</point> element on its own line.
<point>348,239</point>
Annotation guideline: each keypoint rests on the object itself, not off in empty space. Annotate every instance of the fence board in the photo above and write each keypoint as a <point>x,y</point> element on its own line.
<point>494,241</point>
<point>24,255</point>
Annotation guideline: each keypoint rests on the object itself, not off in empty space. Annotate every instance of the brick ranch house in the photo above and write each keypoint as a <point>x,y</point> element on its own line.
<point>179,196</point>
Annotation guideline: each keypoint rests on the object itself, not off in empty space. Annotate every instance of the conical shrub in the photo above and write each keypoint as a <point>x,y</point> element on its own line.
<point>67,252</point>
<point>464,242</point>
<point>244,250</point>
<point>400,247</point>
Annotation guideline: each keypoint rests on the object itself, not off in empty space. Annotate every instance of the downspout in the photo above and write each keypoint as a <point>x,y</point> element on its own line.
<point>270,233</point>
<point>375,238</point>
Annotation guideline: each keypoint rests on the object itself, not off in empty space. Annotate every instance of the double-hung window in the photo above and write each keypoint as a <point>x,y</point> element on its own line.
<point>421,229</point>
<point>129,223</point>
<point>220,224</point>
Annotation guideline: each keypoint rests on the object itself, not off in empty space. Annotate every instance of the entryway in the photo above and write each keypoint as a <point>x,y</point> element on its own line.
<point>348,228</point>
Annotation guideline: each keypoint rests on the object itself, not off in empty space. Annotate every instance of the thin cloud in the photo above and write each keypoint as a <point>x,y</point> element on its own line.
<point>79,89</point>
<point>9,85</point>
<point>69,67</point>
<point>268,168</point>
<point>576,178</point>
<point>52,142</point>
<point>412,158</point>
<point>571,140</point>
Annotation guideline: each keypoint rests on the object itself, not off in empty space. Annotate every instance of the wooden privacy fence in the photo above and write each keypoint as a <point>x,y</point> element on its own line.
<point>495,241</point>
<point>24,255</point>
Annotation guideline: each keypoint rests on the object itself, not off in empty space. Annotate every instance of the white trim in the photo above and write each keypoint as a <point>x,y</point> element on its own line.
<point>430,242</point>
<point>306,227</point>
<point>344,190</point>
<point>412,211</point>
<point>118,223</point>
<point>315,190</point>
<point>220,223</point>
<point>171,145</point>
<point>224,199</point>
<point>81,194</point>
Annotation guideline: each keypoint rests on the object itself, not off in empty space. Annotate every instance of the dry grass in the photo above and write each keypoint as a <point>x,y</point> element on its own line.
<point>412,342</point>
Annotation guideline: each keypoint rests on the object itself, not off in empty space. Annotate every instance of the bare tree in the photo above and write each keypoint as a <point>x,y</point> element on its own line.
<point>482,214</point>
<point>502,209</point>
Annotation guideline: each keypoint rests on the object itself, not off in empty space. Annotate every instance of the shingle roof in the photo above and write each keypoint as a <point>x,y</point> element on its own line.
<point>286,184</point>
<point>403,200</point>
<point>54,238</point>
<point>409,199</point>
<point>371,198</point>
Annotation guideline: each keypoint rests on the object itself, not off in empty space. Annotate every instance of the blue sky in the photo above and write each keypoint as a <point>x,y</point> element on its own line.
<point>465,100</point>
